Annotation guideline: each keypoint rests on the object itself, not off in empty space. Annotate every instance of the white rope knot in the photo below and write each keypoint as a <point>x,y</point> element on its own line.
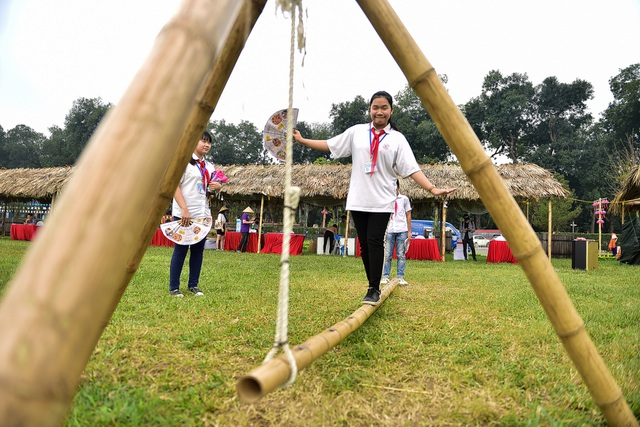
<point>292,197</point>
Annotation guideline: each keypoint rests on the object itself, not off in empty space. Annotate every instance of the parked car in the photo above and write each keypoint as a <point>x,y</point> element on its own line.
<point>424,228</point>
<point>480,241</point>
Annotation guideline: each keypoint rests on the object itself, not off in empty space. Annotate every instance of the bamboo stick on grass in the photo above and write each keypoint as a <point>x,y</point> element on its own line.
<point>275,373</point>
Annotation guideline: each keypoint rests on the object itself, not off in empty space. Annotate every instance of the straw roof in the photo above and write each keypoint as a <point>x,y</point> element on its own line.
<point>329,184</point>
<point>24,183</point>
<point>629,196</point>
<point>322,185</point>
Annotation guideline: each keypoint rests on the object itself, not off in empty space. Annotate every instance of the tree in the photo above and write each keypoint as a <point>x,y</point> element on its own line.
<point>563,211</point>
<point>54,151</point>
<point>502,114</point>
<point>416,124</point>
<point>65,146</point>
<point>302,154</point>
<point>347,114</point>
<point>21,148</point>
<point>622,117</point>
<point>560,116</point>
<point>237,144</point>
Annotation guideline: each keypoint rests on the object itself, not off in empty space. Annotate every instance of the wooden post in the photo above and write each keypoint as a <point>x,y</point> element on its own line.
<point>550,230</point>
<point>523,241</point>
<point>260,223</point>
<point>346,235</point>
<point>74,274</point>
<point>443,228</point>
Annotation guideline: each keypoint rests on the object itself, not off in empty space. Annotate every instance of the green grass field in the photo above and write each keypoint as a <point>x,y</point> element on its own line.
<point>466,343</point>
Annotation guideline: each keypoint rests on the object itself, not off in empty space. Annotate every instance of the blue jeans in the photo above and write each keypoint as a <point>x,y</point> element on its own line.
<point>195,264</point>
<point>398,240</point>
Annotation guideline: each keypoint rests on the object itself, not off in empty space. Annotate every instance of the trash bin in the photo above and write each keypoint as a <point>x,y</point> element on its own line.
<point>584,255</point>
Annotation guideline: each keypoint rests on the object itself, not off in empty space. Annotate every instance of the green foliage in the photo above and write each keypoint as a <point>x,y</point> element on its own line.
<point>64,146</point>
<point>463,344</point>
<point>414,122</point>
<point>302,154</point>
<point>502,115</point>
<point>346,114</point>
<point>237,144</point>
<point>622,117</point>
<point>564,211</point>
<point>20,147</point>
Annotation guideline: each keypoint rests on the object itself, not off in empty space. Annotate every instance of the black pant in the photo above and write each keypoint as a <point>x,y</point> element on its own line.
<point>468,242</point>
<point>371,227</point>
<point>328,237</point>
<point>244,241</point>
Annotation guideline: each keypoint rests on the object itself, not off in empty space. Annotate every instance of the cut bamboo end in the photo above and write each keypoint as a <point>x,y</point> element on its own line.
<point>276,372</point>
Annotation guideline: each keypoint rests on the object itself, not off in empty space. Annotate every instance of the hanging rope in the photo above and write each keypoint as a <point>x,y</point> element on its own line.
<point>291,200</point>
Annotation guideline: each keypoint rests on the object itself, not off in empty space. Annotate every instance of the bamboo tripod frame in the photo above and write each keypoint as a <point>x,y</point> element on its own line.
<point>275,373</point>
<point>76,271</point>
<point>503,208</point>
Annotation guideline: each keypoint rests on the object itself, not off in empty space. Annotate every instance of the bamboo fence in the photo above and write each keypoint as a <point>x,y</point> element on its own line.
<point>503,208</point>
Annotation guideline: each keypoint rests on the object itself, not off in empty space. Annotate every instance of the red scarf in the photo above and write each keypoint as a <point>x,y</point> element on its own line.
<point>205,174</point>
<point>373,147</point>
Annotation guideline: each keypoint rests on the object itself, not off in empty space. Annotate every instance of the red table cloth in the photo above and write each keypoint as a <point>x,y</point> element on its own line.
<point>22,231</point>
<point>499,251</point>
<point>273,243</point>
<point>159,239</point>
<point>232,241</point>
<point>421,249</point>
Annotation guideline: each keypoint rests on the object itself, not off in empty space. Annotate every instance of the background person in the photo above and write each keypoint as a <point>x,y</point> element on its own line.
<point>397,237</point>
<point>330,237</point>
<point>613,244</point>
<point>245,226</point>
<point>467,228</point>
<point>31,219</point>
<point>379,153</point>
<point>189,202</point>
<point>220,226</point>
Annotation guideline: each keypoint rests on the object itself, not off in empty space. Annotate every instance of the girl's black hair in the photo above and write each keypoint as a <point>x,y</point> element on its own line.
<point>387,96</point>
<point>206,136</point>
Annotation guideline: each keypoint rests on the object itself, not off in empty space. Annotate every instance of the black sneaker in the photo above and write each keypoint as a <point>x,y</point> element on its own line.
<point>372,297</point>
<point>196,291</point>
<point>176,293</point>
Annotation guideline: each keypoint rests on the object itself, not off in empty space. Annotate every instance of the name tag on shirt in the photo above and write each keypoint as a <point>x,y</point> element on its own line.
<point>368,167</point>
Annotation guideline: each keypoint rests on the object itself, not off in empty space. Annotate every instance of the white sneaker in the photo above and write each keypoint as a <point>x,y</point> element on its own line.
<point>402,282</point>
<point>384,280</point>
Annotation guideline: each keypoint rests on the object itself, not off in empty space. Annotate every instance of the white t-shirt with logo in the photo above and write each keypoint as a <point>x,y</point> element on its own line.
<point>374,192</point>
<point>195,195</point>
<point>398,222</point>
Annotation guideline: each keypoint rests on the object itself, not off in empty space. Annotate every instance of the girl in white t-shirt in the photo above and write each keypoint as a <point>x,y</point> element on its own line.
<point>379,153</point>
<point>220,226</point>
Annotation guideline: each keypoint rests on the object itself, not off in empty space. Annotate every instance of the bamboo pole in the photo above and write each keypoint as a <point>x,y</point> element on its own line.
<point>346,236</point>
<point>76,271</point>
<point>275,373</point>
<point>443,228</point>
<point>503,208</point>
<point>260,222</point>
<point>550,229</point>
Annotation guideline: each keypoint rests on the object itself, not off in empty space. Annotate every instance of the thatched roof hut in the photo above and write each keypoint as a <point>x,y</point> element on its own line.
<point>29,184</point>
<point>326,185</point>
<point>322,185</point>
<point>629,197</point>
